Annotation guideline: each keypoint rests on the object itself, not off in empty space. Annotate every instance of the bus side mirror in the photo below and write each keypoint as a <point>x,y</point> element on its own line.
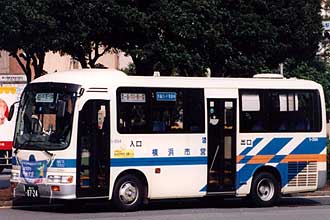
<point>11,111</point>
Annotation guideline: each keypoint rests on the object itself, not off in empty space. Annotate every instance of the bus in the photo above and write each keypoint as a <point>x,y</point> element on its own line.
<point>100,134</point>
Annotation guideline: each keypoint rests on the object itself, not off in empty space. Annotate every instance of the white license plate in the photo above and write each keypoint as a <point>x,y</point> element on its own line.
<point>31,191</point>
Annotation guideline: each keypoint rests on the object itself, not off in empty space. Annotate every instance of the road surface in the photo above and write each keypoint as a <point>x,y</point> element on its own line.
<point>297,208</point>
<point>4,179</point>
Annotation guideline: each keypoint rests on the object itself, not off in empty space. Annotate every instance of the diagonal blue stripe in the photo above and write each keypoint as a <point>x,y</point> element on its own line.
<point>283,169</point>
<point>256,141</point>
<point>203,189</point>
<point>277,159</point>
<point>245,173</point>
<point>248,149</point>
<point>274,146</point>
<point>310,146</point>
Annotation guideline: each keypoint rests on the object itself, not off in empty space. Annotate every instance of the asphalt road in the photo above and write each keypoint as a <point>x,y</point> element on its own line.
<point>4,179</point>
<point>296,208</point>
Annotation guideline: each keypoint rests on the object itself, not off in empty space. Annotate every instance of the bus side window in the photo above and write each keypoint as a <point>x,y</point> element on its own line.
<point>251,115</point>
<point>160,110</point>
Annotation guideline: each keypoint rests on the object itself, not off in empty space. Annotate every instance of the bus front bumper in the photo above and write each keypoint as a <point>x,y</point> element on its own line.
<point>43,191</point>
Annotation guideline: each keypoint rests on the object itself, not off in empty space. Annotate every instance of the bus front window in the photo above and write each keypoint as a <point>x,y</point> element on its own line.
<point>45,119</point>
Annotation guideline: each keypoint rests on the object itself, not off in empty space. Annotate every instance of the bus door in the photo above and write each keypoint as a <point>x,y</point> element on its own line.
<point>93,149</point>
<point>221,145</point>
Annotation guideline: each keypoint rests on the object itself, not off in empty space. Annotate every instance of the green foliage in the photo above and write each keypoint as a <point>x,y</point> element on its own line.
<point>25,25</point>
<point>82,28</point>
<point>175,37</point>
<point>130,70</point>
<point>229,37</point>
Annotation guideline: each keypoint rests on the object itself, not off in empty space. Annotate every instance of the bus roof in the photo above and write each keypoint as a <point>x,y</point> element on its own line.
<point>110,77</point>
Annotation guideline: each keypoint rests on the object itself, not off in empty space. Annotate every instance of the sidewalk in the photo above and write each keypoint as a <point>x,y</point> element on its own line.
<point>5,197</point>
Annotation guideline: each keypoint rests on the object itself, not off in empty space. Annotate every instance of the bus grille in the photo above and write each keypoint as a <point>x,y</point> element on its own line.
<point>302,173</point>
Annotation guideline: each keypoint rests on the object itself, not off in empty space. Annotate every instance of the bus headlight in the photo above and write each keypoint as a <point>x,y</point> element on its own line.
<point>14,176</point>
<point>60,179</point>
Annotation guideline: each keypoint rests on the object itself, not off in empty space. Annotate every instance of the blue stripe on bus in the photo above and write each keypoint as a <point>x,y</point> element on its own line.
<point>277,159</point>
<point>283,170</point>
<point>245,173</point>
<point>57,163</point>
<point>246,159</point>
<point>248,149</point>
<point>204,189</point>
<point>310,146</point>
<point>158,161</point>
<point>274,146</point>
<point>13,161</point>
<point>120,162</point>
<point>64,163</point>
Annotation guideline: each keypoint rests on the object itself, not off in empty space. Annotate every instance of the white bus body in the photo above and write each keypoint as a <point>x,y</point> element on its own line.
<point>136,138</point>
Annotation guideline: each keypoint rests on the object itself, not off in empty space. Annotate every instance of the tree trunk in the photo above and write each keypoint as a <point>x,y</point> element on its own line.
<point>83,62</point>
<point>80,56</point>
<point>38,63</point>
<point>41,57</point>
<point>143,68</point>
<point>217,70</point>
<point>26,71</point>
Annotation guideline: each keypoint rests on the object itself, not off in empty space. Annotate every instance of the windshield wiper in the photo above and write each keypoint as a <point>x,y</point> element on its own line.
<point>49,153</point>
<point>21,146</point>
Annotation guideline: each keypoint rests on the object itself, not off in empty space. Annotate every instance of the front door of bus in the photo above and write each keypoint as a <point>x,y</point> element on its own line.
<point>93,149</point>
<point>221,145</point>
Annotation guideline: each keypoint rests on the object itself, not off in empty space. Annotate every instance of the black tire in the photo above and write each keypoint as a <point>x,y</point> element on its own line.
<point>1,169</point>
<point>128,193</point>
<point>265,190</point>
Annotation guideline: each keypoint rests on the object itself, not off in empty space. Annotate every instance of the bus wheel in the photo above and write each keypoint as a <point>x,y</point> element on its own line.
<point>1,169</point>
<point>264,190</point>
<point>128,193</point>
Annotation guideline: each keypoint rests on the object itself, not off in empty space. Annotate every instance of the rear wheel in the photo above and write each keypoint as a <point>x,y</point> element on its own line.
<point>128,193</point>
<point>265,190</point>
<point>1,169</point>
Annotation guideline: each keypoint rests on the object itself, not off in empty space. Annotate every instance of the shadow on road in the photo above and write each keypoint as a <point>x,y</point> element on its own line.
<point>105,206</point>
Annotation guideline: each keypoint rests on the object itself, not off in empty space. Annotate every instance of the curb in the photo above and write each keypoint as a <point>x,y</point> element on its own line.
<point>6,203</point>
<point>316,193</point>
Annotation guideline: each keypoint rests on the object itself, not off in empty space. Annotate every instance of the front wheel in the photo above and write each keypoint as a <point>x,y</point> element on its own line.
<point>128,193</point>
<point>265,190</point>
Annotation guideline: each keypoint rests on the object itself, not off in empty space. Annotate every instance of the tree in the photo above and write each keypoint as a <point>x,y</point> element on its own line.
<point>265,33</point>
<point>26,33</point>
<point>229,37</point>
<point>182,37</point>
<point>82,29</point>
<point>316,70</point>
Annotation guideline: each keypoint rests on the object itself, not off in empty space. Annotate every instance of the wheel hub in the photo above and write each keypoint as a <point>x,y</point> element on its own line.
<point>128,193</point>
<point>265,189</point>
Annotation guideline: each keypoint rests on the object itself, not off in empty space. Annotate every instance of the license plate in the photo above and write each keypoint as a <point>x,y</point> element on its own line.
<point>31,191</point>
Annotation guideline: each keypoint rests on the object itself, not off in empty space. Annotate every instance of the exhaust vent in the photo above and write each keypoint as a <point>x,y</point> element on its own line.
<point>302,173</point>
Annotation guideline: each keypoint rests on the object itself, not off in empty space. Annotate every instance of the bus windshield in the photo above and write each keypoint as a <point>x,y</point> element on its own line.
<point>45,116</point>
